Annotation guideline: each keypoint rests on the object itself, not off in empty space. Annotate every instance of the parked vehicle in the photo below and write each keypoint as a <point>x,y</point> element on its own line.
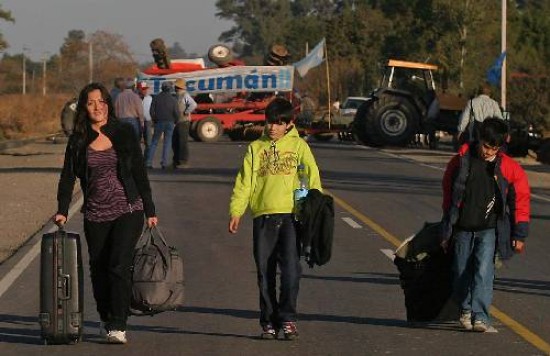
<point>351,104</point>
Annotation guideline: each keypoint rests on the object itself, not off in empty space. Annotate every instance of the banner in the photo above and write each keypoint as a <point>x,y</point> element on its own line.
<point>230,79</point>
<point>312,60</point>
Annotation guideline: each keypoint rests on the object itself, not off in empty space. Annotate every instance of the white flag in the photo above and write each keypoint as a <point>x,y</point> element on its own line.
<point>312,60</point>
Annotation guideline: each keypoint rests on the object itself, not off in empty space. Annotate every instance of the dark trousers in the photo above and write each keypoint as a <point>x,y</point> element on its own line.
<point>275,244</point>
<point>179,142</point>
<point>111,249</point>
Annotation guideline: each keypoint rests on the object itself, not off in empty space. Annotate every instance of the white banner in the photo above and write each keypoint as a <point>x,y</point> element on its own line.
<point>230,79</point>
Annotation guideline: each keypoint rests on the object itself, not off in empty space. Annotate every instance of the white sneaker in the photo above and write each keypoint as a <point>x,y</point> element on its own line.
<point>116,337</point>
<point>102,329</point>
<point>466,320</point>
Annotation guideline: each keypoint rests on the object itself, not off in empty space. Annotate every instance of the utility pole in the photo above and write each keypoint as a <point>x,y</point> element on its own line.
<point>503,49</point>
<point>24,91</point>
<point>44,75</point>
<point>90,61</point>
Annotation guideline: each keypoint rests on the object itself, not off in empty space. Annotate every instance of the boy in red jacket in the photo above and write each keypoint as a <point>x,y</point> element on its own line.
<point>482,186</point>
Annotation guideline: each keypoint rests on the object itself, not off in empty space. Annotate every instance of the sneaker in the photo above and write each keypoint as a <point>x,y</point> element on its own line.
<point>466,320</point>
<point>102,329</point>
<point>268,332</point>
<point>480,326</point>
<point>290,330</point>
<point>116,337</point>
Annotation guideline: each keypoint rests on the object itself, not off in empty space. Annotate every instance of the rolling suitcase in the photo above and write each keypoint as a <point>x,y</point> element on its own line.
<point>61,288</point>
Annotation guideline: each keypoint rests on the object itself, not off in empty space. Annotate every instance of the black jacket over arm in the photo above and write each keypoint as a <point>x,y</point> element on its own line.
<point>131,167</point>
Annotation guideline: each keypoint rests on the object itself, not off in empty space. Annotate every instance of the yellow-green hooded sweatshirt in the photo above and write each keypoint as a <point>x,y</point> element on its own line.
<point>267,178</point>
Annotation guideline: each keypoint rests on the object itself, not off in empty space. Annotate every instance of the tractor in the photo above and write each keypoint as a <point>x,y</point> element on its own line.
<point>406,104</point>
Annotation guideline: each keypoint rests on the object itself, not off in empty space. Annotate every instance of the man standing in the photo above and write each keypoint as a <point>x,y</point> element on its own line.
<point>129,108</point>
<point>186,105</point>
<point>475,112</point>
<point>481,187</point>
<point>145,94</point>
<point>164,113</point>
<point>266,182</point>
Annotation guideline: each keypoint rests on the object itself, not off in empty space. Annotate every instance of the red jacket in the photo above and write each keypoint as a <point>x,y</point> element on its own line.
<point>513,186</point>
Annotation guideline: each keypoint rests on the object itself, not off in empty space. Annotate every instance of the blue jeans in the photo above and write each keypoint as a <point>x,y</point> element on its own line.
<point>474,271</point>
<point>166,129</point>
<point>275,243</point>
<point>147,136</point>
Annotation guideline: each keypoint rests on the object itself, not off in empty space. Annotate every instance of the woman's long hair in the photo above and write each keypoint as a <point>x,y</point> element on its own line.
<point>82,124</point>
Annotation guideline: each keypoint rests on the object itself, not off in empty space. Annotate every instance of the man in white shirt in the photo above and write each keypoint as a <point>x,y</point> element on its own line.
<point>145,93</point>
<point>476,111</point>
<point>186,105</point>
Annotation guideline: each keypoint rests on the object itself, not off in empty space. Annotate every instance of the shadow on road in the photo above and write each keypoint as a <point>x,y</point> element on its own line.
<point>249,314</point>
<point>373,280</point>
<point>523,286</point>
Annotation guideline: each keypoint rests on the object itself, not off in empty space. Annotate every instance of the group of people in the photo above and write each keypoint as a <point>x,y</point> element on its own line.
<point>166,115</point>
<point>485,205</point>
<point>105,154</point>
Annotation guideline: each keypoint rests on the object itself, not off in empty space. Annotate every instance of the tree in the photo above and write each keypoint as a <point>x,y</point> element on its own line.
<point>6,16</point>
<point>111,58</point>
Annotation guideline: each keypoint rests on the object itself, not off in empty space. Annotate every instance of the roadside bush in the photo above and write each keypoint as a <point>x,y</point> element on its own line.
<point>24,116</point>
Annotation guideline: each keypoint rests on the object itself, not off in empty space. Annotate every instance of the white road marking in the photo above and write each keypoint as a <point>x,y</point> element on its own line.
<point>352,223</point>
<point>20,267</point>
<point>389,253</point>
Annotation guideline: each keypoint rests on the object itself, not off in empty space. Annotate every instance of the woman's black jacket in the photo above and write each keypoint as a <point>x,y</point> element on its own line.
<point>131,167</point>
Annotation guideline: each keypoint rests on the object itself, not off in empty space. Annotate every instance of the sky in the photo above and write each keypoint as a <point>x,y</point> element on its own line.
<point>42,25</point>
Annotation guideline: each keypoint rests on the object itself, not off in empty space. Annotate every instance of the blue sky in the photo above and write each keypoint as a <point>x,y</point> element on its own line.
<point>42,25</point>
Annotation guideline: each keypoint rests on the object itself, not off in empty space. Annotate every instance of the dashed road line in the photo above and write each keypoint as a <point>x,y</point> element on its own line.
<point>389,253</point>
<point>352,223</point>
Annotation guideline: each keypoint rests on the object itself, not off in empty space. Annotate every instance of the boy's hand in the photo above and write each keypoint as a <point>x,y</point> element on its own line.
<point>519,246</point>
<point>234,224</point>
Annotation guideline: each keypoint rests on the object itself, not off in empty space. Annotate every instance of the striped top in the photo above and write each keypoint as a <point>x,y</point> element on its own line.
<point>106,197</point>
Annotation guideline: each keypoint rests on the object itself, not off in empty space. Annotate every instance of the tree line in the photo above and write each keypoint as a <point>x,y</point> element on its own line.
<point>461,36</point>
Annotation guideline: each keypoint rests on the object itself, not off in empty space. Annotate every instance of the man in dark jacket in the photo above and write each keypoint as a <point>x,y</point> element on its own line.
<point>482,187</point>
<point>164,113</point>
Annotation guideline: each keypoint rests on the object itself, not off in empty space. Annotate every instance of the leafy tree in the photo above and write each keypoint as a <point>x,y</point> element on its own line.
<point>6,16</point>
<point>111,58</point>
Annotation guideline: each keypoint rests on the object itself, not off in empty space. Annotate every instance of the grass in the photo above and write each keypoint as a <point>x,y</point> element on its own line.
<point>24,116</point>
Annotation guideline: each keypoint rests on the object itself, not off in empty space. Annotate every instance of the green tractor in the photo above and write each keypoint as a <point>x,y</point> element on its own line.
<point>406,104</point>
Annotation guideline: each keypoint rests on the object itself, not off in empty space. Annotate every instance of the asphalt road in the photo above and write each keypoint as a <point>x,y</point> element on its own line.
<point>352,306</point>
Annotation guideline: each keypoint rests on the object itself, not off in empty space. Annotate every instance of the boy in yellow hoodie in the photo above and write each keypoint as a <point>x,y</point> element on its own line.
<point>266,182</point>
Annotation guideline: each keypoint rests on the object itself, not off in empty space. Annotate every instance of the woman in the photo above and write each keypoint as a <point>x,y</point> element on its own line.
<point>105,155</point>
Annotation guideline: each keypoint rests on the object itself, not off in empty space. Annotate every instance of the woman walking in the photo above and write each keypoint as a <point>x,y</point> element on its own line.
<point>106,156</point>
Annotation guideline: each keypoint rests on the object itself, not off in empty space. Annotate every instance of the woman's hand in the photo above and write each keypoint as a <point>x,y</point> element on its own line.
<point>59,219</point>
<point>152,221</point>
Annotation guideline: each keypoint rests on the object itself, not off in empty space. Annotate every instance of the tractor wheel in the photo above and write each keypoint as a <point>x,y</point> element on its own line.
<point>67,116</point>
<point>220,54</point>
<point>390,120</point>
<point>193,130</point>
<point>209,129</point>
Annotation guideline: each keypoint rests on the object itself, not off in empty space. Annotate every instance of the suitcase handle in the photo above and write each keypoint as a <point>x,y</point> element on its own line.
<point>65,286</point>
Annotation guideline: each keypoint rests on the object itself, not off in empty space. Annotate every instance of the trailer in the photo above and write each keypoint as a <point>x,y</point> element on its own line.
<point>239,95</point>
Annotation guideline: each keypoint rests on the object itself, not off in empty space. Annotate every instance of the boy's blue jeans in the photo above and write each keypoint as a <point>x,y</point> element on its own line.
<point>474,271</point>
<point>275,244</point>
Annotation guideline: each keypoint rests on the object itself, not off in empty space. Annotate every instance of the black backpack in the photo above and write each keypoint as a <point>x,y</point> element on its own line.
<point>157,275</point>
